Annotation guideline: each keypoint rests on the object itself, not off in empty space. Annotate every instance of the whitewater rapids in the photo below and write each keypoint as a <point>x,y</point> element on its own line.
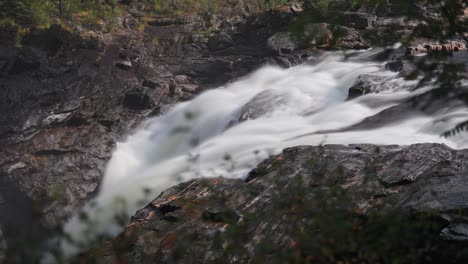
<point>205,137</point>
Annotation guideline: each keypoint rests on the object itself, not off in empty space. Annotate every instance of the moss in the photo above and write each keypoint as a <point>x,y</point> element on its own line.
<point>58,192</point>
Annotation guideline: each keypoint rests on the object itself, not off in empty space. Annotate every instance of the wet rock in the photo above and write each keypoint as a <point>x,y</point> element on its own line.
<point>56,119</point>
<point>3,247</point>
<point>368,83</point>
<point>150,83</point>
<point>124,65</point>
<point>263,103</point>
<point>453,46</point>
<point>283,42</point>
<point>68,106</point>
<point>190,88</point>
<point>456,232</point>
<point>404,67</point>
<point>75,86</point>
<point>347,38</point>
<point>137,100</point>
<point>220,41</point>
<point>395,178</point>
<point>16,166</point>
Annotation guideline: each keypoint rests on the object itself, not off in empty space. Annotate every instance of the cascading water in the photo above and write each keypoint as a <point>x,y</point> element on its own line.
<point>227,131</point>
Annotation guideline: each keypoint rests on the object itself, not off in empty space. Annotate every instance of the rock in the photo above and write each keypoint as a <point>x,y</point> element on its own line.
<point>3,247</point>
<point>16,166</point>
<point>409,186</point>
<point>417,10</point>
<point>135,13</point>
<point>190,88</point>
<point>452,46</point>
<point>456,232</point>
<point>318,34</point>
<point>124,65</point>
<point>348,38</point>
<point>261,104</point>
<point>355,20</point>
<point>220,41</point>
<point>360,87</point>
<point>404,67</point>
<point>58,166</point>
<point>137,100</point>
<point>150,83</point>
<point>296,8</point>
<point>56,119</point>
<point>283,42</point>
<point>369,83</point>
<point>181,79</point>
<point>325,35</point>
<point>165,22</point>
<point>397,8</point>
<point>22,65</point>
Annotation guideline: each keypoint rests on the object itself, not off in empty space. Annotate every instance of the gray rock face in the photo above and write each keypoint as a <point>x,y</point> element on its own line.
<point>66,100</point>
<point>3,248</point>
<point>261,104</point>
<point>220,41</point>
<point>356,20</point>
<point>368,83</point>
<point>280,203</point>
<point>283,42</point>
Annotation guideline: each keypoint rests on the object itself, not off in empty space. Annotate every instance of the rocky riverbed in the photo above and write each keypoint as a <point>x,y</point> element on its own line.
<point>70,94</point>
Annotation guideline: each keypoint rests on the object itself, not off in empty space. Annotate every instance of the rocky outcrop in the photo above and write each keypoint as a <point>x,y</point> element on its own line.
<point>3,248</point>
<point>307,200</point>
<point>68,97</point>
<point>453,46</point>
<point>283,42</point>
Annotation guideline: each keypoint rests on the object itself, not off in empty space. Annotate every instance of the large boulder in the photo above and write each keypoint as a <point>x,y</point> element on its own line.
<point>333,36</point>
<point>404,67</point>
<point>378,83</point>
<point>283,42</point>
<point>329,202</point>
<point>220,41</point>
<point>3,248</point>
<point>137,99</point>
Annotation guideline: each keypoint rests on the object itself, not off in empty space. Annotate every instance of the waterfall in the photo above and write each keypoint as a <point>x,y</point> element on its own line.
<point>226,132</point>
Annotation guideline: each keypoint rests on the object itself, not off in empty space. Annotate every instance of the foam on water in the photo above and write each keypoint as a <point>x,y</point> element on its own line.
<point>203,138</point>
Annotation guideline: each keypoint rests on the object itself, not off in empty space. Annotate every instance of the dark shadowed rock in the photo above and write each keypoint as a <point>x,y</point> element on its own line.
<point>283,42</point>
<point>137,100</point>
<point>150,83</point>
<point>214,217</point>
<point>355,20</point>
<point>3,247</point>
<point>404,67</point>
<point>263,103</point>
<point>369,83</point>
<point>220,41</point>
<point>452,46</point>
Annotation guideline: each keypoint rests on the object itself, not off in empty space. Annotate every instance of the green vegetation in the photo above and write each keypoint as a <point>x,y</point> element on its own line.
<point>102,14</point>
<point>28,13</point>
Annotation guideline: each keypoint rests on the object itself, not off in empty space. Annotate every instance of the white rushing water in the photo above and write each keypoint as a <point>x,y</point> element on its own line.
<point>202,138</point>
